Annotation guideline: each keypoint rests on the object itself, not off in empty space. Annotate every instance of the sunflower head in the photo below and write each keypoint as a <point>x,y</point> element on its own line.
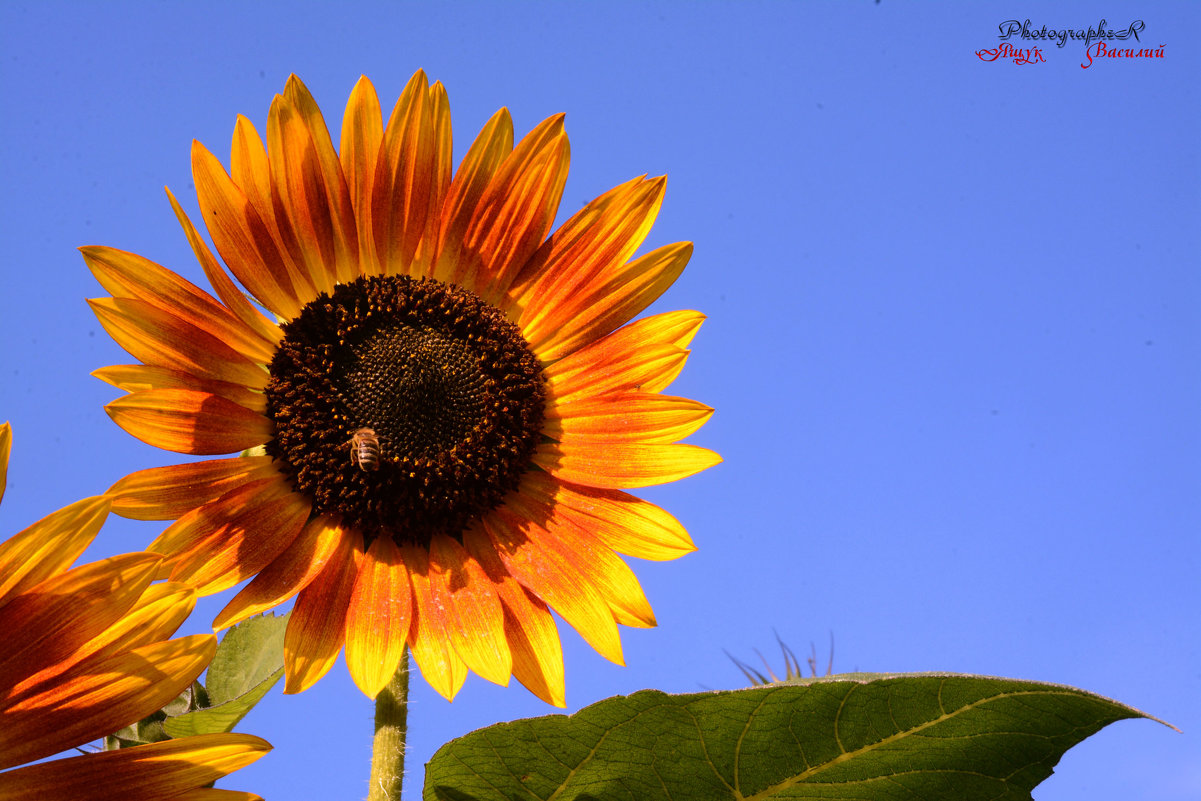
<point>441,402</point>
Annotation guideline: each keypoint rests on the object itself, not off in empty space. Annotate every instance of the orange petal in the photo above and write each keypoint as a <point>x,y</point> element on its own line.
<point>166,493</point>
<point>50,622</point>
<point>626,417</point>
<point>128,275</point>
<point>172,769</point>
<point>110,695</point>
<point>6,446</point>
<point>626,524</point>
<point>597,306</point>
<point>403,186</point>
<point>291,572</point>
<point>529,627</point>
<point>378,618</point>
<point>473,612</point>
<point>579,546</point>
<point>316,629</point>
<point>233,538</point>
<point>441,168</point>
<point>230,295</point>
<point>487,152</point>
<point>157,337</point>
<point>185,421</point>
<point>645,355</point>
<point>583,255</point>
<point>428,635</point>
<point>242,237</point>
<point>521,545</point>
<point>142,377</point>
<point>362,133</point>
<point>49,546</point>
<point>621,466</point>
<point>516,212</point>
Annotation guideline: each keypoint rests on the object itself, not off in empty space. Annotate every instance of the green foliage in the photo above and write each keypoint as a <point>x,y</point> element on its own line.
<point>854,736</point>
<point>248,663</point>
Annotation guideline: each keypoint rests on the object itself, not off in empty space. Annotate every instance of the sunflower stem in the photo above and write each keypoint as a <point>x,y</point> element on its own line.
<point>388,745</point>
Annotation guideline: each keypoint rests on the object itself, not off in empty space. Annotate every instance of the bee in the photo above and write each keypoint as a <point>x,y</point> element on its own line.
<point>364,449</point>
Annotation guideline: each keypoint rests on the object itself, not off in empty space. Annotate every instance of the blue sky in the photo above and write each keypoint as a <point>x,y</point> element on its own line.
<point>953,335</point>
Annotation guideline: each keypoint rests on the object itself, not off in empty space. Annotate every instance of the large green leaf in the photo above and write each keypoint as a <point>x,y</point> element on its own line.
<point>248,663</point>
<point>858,736</point>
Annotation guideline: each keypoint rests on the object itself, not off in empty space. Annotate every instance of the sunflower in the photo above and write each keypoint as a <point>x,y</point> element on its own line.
<point>440,410</point>
<point>85,653</point>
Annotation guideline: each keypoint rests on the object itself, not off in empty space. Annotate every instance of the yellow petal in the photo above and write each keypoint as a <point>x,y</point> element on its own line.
<point>428,635</point>
<point>6,446</point>
<point>141,377</point>
<point>316,630</point>
<point>167,493</point>
<point>626,417</point>
<point>185,421</point>
<point>288,574</point>
<point>627,524</point>
<point>645,355</point>
<point>378,617</point>
<point>622,466</point>
<point>473,611</point>
<point>362,132</point>
<point>112,694</point>
<point>49,546</point>
<point>521,545</point>
<point>170,769</point>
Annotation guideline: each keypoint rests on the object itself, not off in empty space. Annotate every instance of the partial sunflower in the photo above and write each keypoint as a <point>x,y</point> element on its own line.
<point>438,429</point>
<point>86,653</point>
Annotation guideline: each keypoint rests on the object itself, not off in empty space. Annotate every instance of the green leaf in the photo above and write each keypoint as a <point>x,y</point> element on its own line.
<point>248,663</point>
<point>862,736</point>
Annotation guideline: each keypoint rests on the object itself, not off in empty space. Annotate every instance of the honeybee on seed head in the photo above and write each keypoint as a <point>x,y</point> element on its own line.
<point>364,449</point>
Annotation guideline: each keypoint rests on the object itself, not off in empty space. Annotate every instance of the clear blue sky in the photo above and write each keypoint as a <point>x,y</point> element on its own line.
<point>953,339</point>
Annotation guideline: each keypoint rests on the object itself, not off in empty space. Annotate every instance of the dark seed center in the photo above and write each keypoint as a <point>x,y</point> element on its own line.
<point>448,386</point>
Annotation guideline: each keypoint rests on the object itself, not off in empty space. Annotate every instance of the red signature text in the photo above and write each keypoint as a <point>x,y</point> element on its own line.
<point>1029,55</point>
<point>1101,50</point>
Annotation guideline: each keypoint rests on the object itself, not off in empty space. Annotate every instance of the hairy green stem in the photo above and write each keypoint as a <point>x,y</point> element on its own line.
<point>388,746</point>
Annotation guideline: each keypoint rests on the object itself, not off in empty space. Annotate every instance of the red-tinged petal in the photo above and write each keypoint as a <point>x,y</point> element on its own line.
<point>317,629</point>
<point>229,540</point>
<point>155,616</point>
<point>487,153</point>
<point>309,186</point>
<point>157,337</point>
<point>580,547</point>
<point>52,620</point>
<point>362,133</point>
<point>49,546</point>
<point>597,307</point>
<point>190,422</point>
<point>243,239</point>
<point>441,168</point>
<point>167,493</point>
<point>586,253</point>
<point>626,417</point>
<point>621,466</point>
<point>627,524</point>
<point>378,618</point>
<point>428,636</point>
<point>473,611</point>
<point>112,694</point>
<point>288,574</point>
<point>516,212</point>
<point>266,330</point>
<point>142,377</point>
<point>127,275</point>
<point>645,355</point>
<point>6,446</point>
<point>530,629</point>
<point>172,769</point>
<point>404,174</point>
<point>557,581</point>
